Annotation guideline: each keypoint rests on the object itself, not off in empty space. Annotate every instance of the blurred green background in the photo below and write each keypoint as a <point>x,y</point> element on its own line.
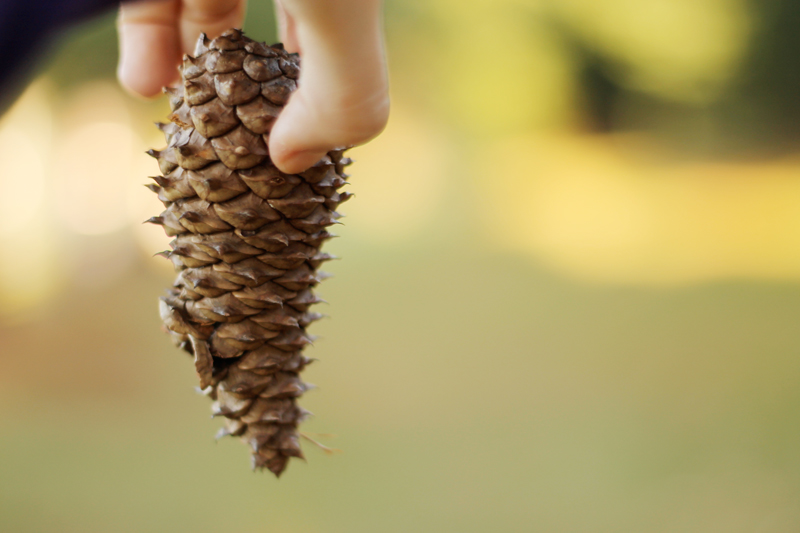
<point>568,298</point>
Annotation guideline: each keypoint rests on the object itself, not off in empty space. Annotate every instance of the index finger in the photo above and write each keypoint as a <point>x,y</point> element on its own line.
<point>149,45</point>
<point>154,34</point>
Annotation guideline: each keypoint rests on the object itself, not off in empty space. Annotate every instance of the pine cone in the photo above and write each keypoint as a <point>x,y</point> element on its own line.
<point>247,239</point>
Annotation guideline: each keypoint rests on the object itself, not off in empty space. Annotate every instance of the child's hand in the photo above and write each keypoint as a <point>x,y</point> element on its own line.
<point>342,97</point>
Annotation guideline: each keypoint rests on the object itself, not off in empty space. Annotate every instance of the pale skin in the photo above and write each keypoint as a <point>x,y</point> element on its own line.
<point>342,97</point>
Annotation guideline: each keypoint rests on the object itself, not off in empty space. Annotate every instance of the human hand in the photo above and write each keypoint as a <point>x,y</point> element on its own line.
<point>342,97</point>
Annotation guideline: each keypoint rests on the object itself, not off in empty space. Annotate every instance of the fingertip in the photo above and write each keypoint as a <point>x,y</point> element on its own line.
<point>136,85</point>
<point>297,162</point>
<point>293,146</point>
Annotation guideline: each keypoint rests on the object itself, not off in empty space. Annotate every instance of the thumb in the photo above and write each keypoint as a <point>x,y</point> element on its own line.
<point>342,99</point>
<point>300,137</point>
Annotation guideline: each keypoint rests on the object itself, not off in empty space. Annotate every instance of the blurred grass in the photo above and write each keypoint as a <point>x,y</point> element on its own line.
<point>469,392</point>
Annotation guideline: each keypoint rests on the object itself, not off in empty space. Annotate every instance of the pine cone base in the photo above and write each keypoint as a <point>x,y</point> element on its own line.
<point>247,240</point>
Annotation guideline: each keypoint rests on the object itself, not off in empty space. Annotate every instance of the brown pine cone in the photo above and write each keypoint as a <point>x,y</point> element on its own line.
<point>247,239</point>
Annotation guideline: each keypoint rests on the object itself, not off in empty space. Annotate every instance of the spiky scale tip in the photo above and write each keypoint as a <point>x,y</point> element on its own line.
<point>247,240</point>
